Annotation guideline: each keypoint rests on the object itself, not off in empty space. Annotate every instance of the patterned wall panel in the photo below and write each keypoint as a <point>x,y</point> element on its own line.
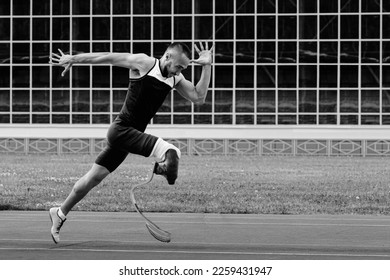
<point>311,147</point>
<point>12,145</point>
<point>242,147</point>
<point>278,147</point>
<point>261,147</point>
<point>347,148</point>
<point>72,146</point>
<point>48,146</point>
<point>207,147</point>
<point>378,148</point>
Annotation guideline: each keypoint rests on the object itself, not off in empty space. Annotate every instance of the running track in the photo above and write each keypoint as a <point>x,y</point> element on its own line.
<point>118,236</point>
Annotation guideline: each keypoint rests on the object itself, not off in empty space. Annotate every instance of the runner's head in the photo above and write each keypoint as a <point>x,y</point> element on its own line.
<point>175,59</point>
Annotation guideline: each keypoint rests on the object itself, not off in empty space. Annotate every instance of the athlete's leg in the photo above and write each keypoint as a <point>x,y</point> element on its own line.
<point>137,142</point>
<point>160,149</point>
<point>140,143</point>
<point>58,214</point>
<point>90,180</point>
<point>107,161</point>
<point>169,156</point>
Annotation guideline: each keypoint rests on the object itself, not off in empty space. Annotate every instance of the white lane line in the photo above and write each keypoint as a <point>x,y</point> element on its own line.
<point>230,244</point>
<point>121,215</point>
<point>209,223</point>
<point>203,252</point>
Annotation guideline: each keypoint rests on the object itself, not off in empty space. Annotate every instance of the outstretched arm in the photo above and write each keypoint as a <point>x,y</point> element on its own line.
<point>131,61</point>
<point>197,93</point>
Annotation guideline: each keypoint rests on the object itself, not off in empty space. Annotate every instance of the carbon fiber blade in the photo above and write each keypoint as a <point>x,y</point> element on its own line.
<point>159,234</point>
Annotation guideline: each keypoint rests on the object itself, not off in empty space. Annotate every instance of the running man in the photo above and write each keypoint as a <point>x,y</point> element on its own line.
<point>150,82</point>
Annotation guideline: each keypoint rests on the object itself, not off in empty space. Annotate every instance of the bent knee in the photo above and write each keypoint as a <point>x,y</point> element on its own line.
<point>90,180</point>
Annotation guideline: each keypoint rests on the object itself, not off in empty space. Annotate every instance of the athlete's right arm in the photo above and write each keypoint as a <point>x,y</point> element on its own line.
<point>127,60</point>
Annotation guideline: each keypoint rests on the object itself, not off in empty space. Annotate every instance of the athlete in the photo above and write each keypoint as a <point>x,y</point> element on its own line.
<point>150,82</point>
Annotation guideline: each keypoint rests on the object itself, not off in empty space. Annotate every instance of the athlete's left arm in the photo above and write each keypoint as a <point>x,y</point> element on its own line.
<point>197,93</point>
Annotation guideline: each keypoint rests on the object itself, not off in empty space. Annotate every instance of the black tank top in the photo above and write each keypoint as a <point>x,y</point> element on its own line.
<point>144,97</point>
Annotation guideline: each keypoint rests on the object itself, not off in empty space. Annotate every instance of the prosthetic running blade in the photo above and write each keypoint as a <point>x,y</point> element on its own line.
<point>154,230</point>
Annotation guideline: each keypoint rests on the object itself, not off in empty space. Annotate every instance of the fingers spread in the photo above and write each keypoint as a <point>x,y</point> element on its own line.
<point>56,55</point>
<point>65,70</point>
<point>204,47</point>
<point>197,49</point>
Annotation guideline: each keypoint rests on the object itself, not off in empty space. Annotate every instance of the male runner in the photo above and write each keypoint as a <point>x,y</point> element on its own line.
<point>151,80</point>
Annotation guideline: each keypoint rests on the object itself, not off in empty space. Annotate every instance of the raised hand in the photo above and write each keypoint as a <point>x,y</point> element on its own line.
<point>63,60</point>
<point>205,54</point>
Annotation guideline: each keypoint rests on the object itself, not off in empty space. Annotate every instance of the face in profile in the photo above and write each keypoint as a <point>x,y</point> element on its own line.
<point>176,61</point>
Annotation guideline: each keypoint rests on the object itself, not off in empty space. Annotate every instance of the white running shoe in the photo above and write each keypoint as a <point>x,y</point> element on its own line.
<point>57,223</point>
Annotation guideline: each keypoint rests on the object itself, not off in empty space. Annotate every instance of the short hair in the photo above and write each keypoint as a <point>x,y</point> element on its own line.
<point>182,47</point>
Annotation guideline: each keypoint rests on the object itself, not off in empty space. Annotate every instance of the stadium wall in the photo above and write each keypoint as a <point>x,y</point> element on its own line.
<point>206,140</point>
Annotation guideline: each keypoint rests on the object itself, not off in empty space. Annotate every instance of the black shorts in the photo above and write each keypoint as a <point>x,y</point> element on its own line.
<point>122,140</point>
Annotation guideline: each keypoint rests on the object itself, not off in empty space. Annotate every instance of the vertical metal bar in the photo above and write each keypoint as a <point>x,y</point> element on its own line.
<point>11,62</point>
<point>338,62</point>
<point>318,64</point>
<point>91,68</point>
<point>360,66</point>
<point>50,66</point>
<point>297,88</point>
<point>213,65</point>
<point>234,63</point>
<point>70,71</point>
<point>111,50</point>
<point>255,65</point>
<point>276,62</point>
<point>151,26</point>
<point>30,62</point>
<point>132,26</point>
<point>380,62</point>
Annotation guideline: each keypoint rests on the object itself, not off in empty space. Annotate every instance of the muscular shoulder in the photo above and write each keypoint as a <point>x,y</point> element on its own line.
<point>141,62</point>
